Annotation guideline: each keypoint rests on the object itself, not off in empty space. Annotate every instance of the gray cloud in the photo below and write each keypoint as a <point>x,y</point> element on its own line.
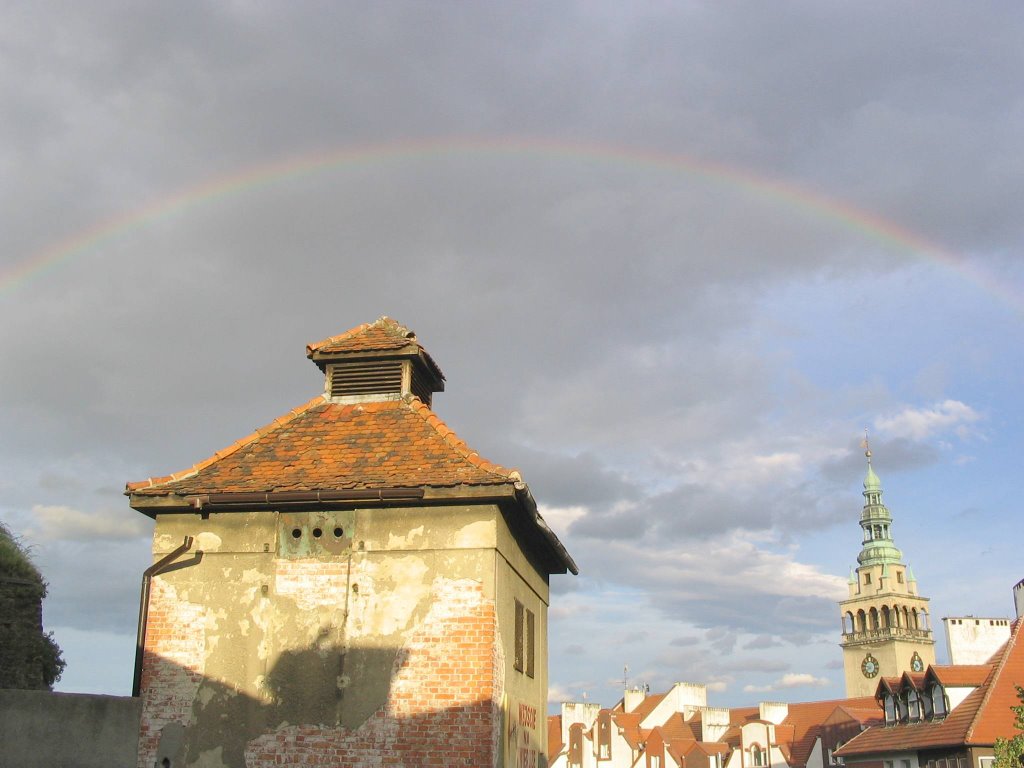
<point>593,281</point>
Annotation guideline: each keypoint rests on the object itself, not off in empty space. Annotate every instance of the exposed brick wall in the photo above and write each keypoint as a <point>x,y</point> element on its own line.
<point>444,705</point>
<point>172,666</point>
<point>444,702</point>
<point>311,582</point>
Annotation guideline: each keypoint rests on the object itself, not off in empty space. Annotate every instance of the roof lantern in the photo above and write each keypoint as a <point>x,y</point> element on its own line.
<point>376,361</point>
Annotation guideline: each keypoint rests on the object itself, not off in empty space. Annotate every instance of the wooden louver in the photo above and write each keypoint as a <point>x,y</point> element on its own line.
<point>372,377</point>
<point>420,387</point>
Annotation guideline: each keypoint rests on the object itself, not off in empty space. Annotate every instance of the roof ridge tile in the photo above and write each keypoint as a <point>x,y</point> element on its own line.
<point>451,438</point>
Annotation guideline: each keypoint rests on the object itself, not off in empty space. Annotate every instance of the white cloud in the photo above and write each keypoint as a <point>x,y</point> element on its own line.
<point>560,518</point>
<point>62,523</point>
<point>922,423</point>
<point>558,693</point>
<point>789,680</point>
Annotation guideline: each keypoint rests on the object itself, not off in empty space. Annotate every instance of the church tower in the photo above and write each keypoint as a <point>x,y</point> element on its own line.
<point>886,629</point>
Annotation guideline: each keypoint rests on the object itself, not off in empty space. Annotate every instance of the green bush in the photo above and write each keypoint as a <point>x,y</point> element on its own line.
<point>29,657</point>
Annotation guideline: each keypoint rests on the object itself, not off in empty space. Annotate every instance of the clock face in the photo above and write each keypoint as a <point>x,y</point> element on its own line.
<point>916,664</point>
<point>869,666</point>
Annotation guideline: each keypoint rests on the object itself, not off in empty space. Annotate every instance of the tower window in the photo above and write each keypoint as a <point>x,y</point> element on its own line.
<point>525,648</point>
<point>867,578</point>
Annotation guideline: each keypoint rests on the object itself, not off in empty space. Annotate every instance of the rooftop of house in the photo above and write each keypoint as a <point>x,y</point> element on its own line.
<point>983,715</point>
<point>795,736</point>
<point>324,445</point>
<point>384,438</point>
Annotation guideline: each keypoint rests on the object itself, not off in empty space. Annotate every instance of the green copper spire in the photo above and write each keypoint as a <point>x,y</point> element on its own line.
<point>876,522</point>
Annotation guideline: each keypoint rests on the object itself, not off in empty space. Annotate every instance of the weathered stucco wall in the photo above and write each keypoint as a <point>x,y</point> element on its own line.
<point>41,729</point>
<point>355,637</point>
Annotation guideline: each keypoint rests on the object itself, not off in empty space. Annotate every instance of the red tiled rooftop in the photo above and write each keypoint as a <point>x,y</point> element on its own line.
<point>979,719</point>
<point>961,675</point>
<point>338,446</point>
<point>645,707</point>
<point>806,719</point>
<point>678,728</point>
<point>996,718</point>
<point>555,745</point>
<point>382,335</point>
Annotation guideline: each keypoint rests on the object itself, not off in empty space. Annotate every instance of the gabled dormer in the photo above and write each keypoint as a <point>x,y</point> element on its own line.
<point>376,361</point>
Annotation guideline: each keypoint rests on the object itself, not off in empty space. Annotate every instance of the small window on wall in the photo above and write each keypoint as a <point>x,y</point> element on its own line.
<point>899,577</point>
<point>525,651</point>
<point>867,578</point>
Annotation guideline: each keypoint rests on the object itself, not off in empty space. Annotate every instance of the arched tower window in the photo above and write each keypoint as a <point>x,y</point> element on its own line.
<point>874,618</point>
<point>861,621</point>
<point>914,622</point>
<point>885,616</point>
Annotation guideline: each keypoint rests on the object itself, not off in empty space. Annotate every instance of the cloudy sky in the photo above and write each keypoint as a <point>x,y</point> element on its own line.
<point>672,257</point>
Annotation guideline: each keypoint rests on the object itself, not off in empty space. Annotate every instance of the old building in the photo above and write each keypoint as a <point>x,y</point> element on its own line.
<point>677,729</point>
<point>885,622</point>
<point>945,717</point>
<point>349,585</point>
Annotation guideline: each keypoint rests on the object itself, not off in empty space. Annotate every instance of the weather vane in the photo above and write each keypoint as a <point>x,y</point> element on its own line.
<point>866,446</point>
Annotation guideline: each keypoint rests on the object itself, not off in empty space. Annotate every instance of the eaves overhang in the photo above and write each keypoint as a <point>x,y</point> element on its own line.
<point>515,495</point>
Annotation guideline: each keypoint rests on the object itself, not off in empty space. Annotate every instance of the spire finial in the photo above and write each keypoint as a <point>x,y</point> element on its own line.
<point>866,445</point>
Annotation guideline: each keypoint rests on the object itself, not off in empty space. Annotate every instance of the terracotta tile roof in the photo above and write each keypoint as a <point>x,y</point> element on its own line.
<point>338,446</point>
<point>960,675</point>
<point>916,679</point>
<point>679,748</point>
<point>978,720</point>
<point>995,718</point>
<point>867,715</point>
<point>913,736</point>
<point>741,715</point>
<point>677,727</point>
<point>892,683</point>
<point>382,335</point>
<point>805,720</point>
<point>629,725</point>
<point>555,745</point>
<point>645,707</point>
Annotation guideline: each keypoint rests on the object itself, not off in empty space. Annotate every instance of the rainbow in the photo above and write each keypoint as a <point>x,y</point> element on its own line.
<point>801,199</point>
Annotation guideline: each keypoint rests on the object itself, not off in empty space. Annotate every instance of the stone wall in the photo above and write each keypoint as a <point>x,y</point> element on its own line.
<point>42,729</point>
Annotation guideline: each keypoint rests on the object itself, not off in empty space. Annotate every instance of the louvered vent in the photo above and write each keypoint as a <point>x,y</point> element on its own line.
<point>420,387</point>
<point>373,377</point>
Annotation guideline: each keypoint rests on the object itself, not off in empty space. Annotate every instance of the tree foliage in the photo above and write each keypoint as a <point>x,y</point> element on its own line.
<point>1010,752</point>
<point>29,657</point>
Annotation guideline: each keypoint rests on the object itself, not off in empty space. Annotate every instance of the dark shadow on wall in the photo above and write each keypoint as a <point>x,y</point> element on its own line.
<point>311,688</point>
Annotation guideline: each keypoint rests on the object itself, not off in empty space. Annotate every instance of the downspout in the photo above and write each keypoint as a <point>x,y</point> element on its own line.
<point>147,578</point>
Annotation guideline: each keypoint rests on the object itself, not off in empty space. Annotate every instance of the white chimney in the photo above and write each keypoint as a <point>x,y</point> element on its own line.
<point>574,712</point>
<point>714,722</point>
<point>632,698</point>
<point>773,711</point>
